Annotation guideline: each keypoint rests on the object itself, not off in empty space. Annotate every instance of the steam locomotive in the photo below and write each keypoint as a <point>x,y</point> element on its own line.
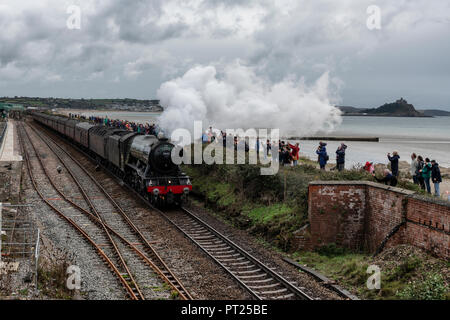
<point>142,161</point>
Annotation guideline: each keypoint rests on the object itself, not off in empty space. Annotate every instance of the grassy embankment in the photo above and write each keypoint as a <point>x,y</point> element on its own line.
<point>272,208</point>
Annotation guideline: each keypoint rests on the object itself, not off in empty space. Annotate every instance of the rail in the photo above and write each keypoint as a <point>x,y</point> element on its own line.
<point>101,253</point>
<point>157,263</point>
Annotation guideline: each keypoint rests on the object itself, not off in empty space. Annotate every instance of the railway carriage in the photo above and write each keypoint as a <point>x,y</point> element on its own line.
<point>70,129</point>
<point>46,119</point>
<point>54,123</point>
<point>97,140</point>
<point>61,125</point>
<point>82,133</point>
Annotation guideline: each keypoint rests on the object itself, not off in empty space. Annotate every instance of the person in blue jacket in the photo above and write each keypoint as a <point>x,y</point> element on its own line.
<point>323,156</point>
<point>436,177</point>
<point>340,157</point>
<point>394,163</point>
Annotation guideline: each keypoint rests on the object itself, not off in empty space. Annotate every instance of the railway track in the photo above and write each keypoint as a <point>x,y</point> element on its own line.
<point>261,281</point>
<point>122,235</point>
<point>89,232</point>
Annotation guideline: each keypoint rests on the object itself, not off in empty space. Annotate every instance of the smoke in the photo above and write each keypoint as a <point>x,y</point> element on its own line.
<point>238,98</point>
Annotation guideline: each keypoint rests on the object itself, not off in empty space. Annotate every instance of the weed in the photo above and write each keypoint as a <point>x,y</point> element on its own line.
<point>432,288</point>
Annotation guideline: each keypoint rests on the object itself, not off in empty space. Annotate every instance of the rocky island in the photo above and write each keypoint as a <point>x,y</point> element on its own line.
<point>399,108</point>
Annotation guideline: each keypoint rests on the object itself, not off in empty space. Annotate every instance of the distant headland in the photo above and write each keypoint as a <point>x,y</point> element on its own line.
<point>399,108</point>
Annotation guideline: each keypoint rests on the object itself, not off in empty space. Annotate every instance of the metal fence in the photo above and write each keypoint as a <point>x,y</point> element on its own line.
<point>18,234</point>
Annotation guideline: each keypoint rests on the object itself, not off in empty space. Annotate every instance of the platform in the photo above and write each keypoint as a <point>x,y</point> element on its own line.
<point>8,148</point>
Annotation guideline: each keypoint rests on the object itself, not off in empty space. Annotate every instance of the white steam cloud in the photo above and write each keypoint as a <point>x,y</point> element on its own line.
<point>238,98</point>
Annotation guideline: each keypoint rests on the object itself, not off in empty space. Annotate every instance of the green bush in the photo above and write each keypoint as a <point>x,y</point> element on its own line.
<point>405,269</point>
<point>432,288</point>
<point>331,250</point>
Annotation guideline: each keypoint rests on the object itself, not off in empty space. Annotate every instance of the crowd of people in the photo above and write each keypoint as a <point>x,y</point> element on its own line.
<point>285,153</point>
<point>152,129</point>
<point>323,156</point>
<point>423,172</point>
<point>279,151</point>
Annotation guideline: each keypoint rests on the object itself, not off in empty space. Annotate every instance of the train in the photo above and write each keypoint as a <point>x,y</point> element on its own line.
<point>143,162</point>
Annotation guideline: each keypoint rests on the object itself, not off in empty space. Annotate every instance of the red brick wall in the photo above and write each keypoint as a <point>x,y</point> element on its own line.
<point>336,214</point>
<point>360,215</point>
<point>384,211</point>
<point>428,226</point>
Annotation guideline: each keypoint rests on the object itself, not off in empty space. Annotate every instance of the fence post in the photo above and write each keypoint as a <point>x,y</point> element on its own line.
<point>36,256</point>
<point>1,232</point>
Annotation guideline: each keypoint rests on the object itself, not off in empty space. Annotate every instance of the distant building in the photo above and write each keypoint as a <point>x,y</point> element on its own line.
<point>11,110</point>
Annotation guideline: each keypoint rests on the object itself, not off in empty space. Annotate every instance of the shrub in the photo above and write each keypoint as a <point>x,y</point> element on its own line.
<point>432,288</point>
<point>331,250</point>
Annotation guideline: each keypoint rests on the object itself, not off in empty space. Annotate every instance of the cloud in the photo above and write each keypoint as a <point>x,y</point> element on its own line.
<point>145,43</point>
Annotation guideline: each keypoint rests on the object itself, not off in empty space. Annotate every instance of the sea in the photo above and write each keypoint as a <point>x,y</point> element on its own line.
<point>428,137</point>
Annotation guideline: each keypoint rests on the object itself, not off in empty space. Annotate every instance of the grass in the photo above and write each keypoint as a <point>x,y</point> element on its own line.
<point>268,214</point>
<point>344,266</point>
<point>23,292</point>
<point>52,280</point>
<point>409,277</point>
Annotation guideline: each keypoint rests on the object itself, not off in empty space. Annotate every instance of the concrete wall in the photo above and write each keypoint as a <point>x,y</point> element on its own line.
<point>361,215</point>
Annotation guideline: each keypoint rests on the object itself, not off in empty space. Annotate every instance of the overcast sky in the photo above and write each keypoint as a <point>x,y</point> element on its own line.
<point>129,48</point>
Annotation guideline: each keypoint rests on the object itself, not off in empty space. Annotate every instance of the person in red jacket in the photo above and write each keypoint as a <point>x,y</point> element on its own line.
<point>295,153</point>
<point>369,167</point>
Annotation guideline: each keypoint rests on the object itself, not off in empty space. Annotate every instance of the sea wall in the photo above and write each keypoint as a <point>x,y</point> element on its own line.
<point>371,216</point>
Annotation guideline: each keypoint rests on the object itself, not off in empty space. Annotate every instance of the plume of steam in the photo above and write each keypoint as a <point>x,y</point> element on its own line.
<point>238,98</point>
